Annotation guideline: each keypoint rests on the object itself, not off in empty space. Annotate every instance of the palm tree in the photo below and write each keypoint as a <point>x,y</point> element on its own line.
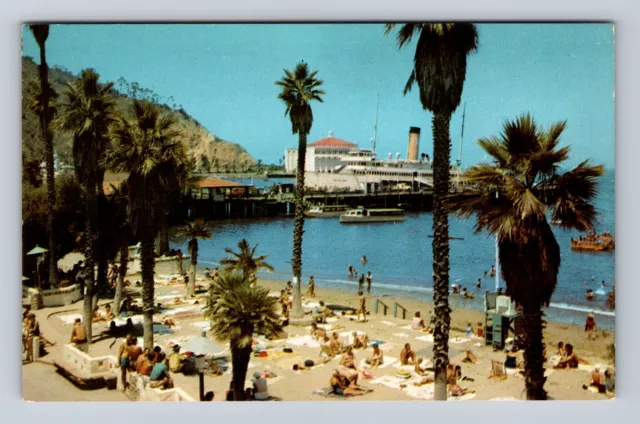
<point>87,111</point>
<point>511,199</point>
<point>193,231</point>
<point>147,148</point>
<point>439,68</point>
<point>118,235</point>
<point>299,88</point>
<point>237,311</point>
<point>245,260</point>
<point>46,112</point>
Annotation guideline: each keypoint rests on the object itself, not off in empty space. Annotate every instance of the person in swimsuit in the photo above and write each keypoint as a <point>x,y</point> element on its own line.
<point>311,292</point>
<point>418,322</point>
<point>377,358</point>
<point>359,342</point>
<point>590,326</point>
<point>362,309</point>
<point>317,332</point>
<point>348,361</point>
<point>341,385</point>
<point>123,360</point>
<point>350,271</point>
<point>361,283</point>
<point>407,357</point>
<point>335,345</point>
<point>570,359</point>
<point>369,277</point>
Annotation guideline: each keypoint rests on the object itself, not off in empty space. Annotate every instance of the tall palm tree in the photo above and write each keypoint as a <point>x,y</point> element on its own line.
<point>245,260</point>
<point>299,88</point>
<point>194,230</point>
<point>147,147</point>
<point>511,198</point>
<point>46,113</point>
<point>118,234</point>
<point>237,311</point>
<point>439,69</point>
<point>87,110</point>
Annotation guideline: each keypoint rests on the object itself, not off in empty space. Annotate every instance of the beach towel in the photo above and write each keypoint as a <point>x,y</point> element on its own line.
<point>458,340</point>
<point>425,392</point>
<point>348,338</point>
<point>478,344</point>
<point>387,347</point>
<point>332,319</point>
<point>401,335</point>
<point>426,338</point>
<point>407,327</point>
<point>390,324</point>
<point>307,341</point>
<point>327,393</point>
<point>391,381</point>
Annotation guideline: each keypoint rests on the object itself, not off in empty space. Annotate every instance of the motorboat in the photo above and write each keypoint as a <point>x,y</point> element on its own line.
<point>365,215</point>
<point>325,211</point>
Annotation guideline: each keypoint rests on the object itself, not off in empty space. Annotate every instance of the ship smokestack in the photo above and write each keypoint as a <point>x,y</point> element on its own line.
<point>414,144</point>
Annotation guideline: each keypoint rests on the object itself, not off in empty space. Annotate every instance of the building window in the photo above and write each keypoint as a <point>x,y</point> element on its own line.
<point>195,193</point>
<point>205,193</point>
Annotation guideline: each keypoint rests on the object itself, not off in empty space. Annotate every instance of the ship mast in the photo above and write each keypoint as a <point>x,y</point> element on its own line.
<point>375,127</point>
<point>459,161</point>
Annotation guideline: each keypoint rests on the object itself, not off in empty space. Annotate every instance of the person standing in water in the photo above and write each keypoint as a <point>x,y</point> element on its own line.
<point>350,271</point>
<point>478,283</point>
<point>363,260</point>
<point>368,282</point>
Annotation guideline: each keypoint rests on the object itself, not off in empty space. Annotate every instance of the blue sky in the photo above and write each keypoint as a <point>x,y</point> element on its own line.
<point>224,76</point>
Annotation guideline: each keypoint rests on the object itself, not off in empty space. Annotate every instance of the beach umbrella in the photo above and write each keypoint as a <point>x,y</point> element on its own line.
<point>37,250</point>
<point>203,346</point>
<point>67,262</point>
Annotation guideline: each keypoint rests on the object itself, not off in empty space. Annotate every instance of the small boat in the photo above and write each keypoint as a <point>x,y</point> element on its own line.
<point>364,215</point>
<point>326,211</point>
<point>594,243</point>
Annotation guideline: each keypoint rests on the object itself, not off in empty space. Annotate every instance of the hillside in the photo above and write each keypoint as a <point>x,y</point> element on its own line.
<point>208,150</point>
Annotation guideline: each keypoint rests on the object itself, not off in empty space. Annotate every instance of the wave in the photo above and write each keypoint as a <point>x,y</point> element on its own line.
<point>584,309</point>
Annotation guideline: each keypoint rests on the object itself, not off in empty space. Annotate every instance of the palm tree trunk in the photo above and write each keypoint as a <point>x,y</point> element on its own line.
<point>191,290</point>
<point>47,137</point>
<point>89,260</point>
<point>147,262</point>
<point>122,272</point>
<point>298,230</point>
<point>533,357</point>
<point>239,363</point>
<point>441,154</point>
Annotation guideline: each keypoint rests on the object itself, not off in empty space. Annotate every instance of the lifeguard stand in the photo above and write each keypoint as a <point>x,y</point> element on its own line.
<point>499,312</point>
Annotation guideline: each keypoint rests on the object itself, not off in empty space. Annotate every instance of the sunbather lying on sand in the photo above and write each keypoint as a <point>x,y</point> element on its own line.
<point>310,363</point>
<point>454,372</point>
<point>346,386</point>
<point>407,357</point>
<point>359,342</point>
<point>377,358</point>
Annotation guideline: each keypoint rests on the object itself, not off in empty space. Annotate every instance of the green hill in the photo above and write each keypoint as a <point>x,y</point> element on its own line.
<point>208,150</point>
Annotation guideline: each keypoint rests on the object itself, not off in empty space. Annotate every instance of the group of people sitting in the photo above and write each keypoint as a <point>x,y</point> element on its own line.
<point>152,365</point>
<point>568,358</point>
<point>602,383</point>
<point>332,346</point>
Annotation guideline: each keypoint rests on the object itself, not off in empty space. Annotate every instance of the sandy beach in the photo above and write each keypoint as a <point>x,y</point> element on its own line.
<point>392,332</point>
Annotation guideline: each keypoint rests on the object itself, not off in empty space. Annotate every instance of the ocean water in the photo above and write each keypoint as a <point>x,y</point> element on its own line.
<point>399,257</point>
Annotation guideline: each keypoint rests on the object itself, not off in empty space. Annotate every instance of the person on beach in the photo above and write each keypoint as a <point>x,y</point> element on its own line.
<point>289,287</point>
<point>479,330</point>
<point>33,330</point>
<point>590,326</point>
<point>177,360</point>
<point>359,341</point>
<point>511,360</point>
<point>492,271</point>
<point>418,322</point>
<point>361,283</point>
<point>344,386</point>
<point>590,295</point>
<point>319,313</point>
<point>112,276</point>
<point>317,332</point>
<point>160,376</point>
<point>310,363</point>
<point>348,359</point>
<point>377,358</point>
<point>596,381</point>
<point>311,292</point>
<point>123,360</point>
<point>478,284</point>
<point>604,284</point>
<point>407,356</point>
<point>570,359</point>
<point>79,335</point>
<point>610,380</point>
<point>260,387</point>
<point>469,332</point>
<point>369,282</point>
<point>335,345</point>
<point>350,271</point>
<point>469,357</point>
<point>363,260</point>
<point>560,352</point>
<point>143,362</point>
<point>362,309</point>
<point>134,353</point>
<point>455,288</point>
<point>423,367</point>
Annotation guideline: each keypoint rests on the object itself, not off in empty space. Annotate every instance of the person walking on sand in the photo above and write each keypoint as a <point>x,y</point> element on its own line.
<point>590,326</point>
<point>311,292</point>
<point>361,283</point>
<point>362,309</point>
<point>179,259</point>
<point>123,360</point>
<point>368,282</point>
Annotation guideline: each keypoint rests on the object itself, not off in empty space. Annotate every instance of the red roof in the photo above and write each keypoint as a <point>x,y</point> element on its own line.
<point>216,183</point>
<point>332,142</point>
